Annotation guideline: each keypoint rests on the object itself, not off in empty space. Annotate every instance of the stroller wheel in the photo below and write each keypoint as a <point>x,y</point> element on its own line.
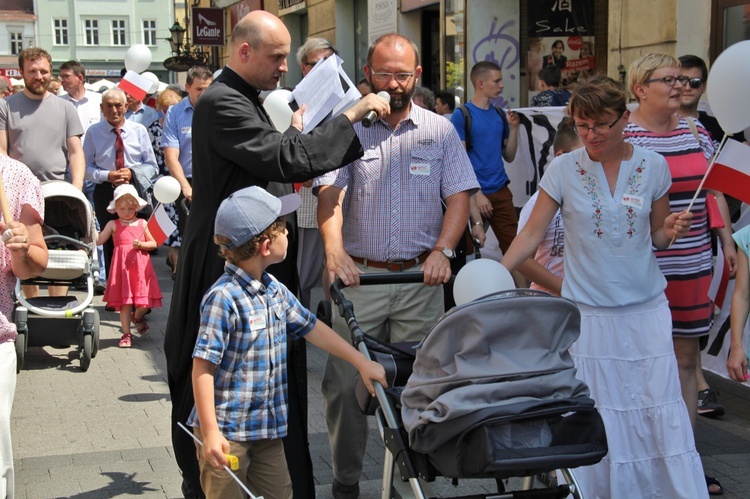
<point>20,351</point>
<point>86,349</point>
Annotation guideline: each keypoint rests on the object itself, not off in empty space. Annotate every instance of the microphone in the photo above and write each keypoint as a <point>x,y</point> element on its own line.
<point>371,116</point>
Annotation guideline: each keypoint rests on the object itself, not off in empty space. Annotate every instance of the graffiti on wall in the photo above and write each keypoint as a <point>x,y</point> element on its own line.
<point>503,48</point>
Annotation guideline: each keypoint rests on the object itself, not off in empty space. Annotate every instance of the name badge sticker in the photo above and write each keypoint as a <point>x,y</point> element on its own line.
<point>632,201</point>
<point>257,322</point>
<point>419,168</point>
<point>187,130</point>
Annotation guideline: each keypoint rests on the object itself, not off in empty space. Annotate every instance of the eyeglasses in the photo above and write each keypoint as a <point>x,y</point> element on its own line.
<point>312,63</point>
<point>671,80</point>
<point>598,128</point>
<point>65,77</point>
<point>387,77</point>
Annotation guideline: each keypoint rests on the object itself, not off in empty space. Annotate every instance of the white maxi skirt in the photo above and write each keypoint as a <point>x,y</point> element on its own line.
<point>626,356</point>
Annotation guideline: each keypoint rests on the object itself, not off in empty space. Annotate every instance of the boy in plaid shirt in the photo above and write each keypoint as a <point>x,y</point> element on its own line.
<point>239,361</point>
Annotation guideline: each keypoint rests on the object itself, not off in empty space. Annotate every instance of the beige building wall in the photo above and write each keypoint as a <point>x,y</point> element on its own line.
<point>674,27</point>
<point>321,16</point>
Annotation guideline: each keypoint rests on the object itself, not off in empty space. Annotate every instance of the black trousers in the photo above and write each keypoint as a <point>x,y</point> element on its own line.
<point>103,195</point>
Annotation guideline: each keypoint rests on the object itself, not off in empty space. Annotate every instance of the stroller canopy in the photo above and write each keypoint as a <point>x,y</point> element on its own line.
<point>505,354</point>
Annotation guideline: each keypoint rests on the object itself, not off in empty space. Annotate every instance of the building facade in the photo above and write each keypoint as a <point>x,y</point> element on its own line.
<point>17,22</point>
<point>98,34</point>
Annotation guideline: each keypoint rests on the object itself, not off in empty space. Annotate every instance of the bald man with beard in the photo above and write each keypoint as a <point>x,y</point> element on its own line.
<point>236,145</point>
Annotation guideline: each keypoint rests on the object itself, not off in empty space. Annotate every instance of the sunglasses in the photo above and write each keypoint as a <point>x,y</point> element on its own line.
<point>696,82</point>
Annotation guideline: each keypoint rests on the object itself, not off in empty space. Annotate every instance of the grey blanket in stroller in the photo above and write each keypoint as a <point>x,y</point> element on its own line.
<point>499,358</point>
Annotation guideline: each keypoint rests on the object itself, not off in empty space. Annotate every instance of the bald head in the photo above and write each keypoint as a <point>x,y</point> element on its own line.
<point>260,44</point>
<point>254,26</point>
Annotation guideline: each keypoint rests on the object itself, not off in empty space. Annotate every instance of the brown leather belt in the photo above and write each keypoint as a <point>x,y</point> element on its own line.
<point>393,266</point>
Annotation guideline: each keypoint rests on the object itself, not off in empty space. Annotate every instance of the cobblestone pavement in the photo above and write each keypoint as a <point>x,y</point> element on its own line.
<point>105,433</point>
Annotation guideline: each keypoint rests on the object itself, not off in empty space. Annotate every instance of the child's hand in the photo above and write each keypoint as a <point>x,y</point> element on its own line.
<point>137,243</point>
<point>372,371</point>
<point>737,364</point>
<point>215,448</point>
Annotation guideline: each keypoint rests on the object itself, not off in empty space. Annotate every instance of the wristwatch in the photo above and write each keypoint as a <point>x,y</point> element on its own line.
<point>449,253</point>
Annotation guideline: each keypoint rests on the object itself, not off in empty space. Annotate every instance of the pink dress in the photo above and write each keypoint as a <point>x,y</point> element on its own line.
<point>131,279</point>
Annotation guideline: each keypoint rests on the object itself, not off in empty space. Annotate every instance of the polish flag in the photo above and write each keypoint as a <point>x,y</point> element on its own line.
<point>160,225</point>
<point>135,85</point>
<point>731,171</point>
<point>717,290</point>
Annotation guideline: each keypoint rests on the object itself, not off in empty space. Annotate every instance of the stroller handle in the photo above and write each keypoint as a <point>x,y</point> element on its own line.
<point>378,279</point>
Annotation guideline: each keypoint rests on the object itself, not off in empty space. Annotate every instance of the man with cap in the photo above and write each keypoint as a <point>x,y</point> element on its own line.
<point>241,147</point>
<point>240,404</point>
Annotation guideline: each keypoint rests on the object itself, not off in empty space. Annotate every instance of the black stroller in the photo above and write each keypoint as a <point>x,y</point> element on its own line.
<point>489,393</point>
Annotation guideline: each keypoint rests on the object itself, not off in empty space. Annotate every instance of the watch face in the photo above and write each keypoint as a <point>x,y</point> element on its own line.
<point>448,252</point>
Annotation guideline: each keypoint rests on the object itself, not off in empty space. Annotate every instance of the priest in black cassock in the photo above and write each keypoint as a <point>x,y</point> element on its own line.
<point>235,145</point>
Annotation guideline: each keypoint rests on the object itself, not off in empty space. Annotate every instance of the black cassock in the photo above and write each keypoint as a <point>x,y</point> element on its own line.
<point>235,145</point>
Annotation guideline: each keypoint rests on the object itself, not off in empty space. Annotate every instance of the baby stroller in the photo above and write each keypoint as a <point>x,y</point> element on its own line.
<point>489,393</point>
<point>62,321</point>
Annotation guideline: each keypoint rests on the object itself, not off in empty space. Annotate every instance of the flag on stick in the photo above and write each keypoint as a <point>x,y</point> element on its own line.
<point>135,85</point>
<point>731,171</point>
<point>160,225</point>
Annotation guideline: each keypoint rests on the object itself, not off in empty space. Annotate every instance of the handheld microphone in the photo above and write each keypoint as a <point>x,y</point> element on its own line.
<point>371,116</point>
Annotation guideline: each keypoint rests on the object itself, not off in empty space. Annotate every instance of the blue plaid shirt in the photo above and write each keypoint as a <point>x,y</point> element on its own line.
<point>243,330</point>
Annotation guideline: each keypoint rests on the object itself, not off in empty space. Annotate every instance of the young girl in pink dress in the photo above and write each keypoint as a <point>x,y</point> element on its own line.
<point>132,285</point>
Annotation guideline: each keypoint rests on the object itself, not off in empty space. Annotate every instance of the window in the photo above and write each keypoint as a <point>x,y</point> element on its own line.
<point>16,43</point>
<point>118,32</point>
<point>61,31</point>
<point>91,30</point>
<point>730,21</point>
<point>149,32</point>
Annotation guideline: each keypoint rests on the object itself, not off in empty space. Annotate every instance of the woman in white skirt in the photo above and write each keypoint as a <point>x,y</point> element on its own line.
<point>615,206</point>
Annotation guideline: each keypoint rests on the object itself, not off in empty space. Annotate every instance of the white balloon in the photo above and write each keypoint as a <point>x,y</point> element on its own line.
<point>727,88</point>
<point>277,107</point>
<point>167,190</point>
<point>481,277</point>
<point>138,58</point>
<point>154,81</point>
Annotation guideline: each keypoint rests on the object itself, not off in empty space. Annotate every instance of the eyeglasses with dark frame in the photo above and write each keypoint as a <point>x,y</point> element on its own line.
<point>671,80</point>
<point>598,128</point>
<point>387,77</point>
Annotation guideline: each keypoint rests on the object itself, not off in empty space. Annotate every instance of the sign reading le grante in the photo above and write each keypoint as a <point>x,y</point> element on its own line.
<point>208,26</point>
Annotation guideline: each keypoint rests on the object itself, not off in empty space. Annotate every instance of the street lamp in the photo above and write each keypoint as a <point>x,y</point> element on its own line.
<point>183,55</point>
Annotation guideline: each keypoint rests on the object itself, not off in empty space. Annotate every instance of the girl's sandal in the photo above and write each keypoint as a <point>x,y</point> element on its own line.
<point>140,325</point>
<point>126,341</point>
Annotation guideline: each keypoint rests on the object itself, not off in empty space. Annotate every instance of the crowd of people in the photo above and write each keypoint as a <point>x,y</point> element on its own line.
<point>264,216</point>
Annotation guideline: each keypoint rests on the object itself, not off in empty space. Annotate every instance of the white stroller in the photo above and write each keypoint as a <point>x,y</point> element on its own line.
<point>62,321</point>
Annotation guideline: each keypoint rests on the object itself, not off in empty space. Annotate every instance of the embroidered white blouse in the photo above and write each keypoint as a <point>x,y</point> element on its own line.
<point>609,260</point>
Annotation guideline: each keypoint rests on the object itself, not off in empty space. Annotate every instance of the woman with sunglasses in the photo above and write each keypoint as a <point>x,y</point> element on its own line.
<point>656,83</point>
<point>615,205</point>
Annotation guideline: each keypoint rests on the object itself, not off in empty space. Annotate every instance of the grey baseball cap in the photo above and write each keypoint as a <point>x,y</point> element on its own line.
<point>249,211</point>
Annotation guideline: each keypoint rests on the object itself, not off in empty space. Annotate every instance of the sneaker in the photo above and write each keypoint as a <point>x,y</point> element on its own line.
<point>708,403</point>
<point>100,287</point>
<point>341,491</point>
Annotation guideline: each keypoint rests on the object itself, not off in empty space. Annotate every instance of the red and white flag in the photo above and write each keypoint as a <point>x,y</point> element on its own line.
<point>717,290</point>
<point>135,85</point>
<point>160,225</point>
<point>731,171</point>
